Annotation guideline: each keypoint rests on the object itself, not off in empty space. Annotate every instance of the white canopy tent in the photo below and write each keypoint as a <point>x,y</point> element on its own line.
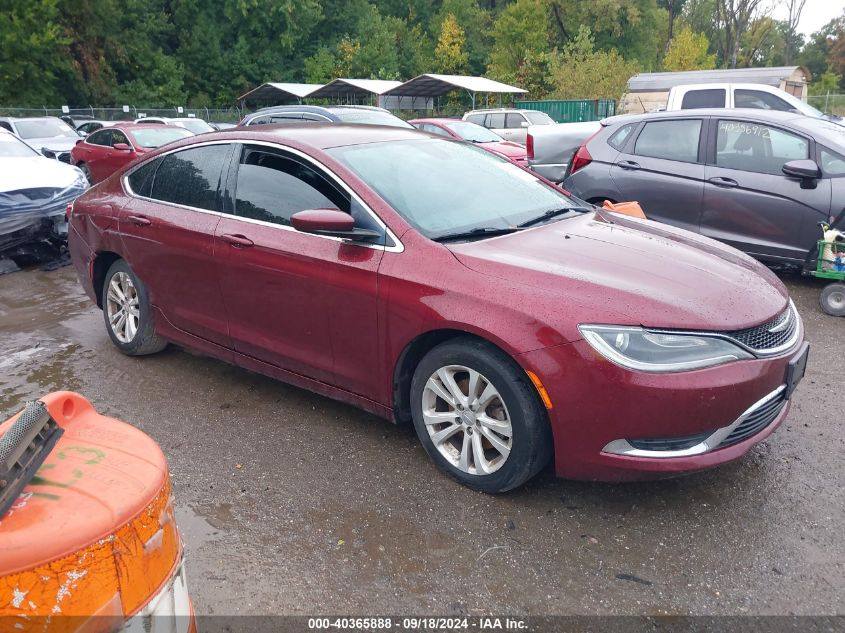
<point>437,85</point>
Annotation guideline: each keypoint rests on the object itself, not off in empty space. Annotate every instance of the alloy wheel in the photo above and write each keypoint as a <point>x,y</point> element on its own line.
<point>123,307</point>
<point>467,420</point>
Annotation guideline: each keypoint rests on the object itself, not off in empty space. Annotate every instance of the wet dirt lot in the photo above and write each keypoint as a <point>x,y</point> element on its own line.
<point>290,503</point>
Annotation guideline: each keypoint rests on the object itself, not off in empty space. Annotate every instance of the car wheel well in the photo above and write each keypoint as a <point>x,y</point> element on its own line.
<point>407,364</point>
<point>102,263</point>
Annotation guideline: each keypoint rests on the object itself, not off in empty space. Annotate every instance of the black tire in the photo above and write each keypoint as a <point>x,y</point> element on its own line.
<point>85,170</point>
<point>144,341</point>
<point>832,299</point>
<point>531,440</point>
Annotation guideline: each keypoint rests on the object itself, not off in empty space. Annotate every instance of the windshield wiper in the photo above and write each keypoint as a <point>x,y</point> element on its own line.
<point>552,213</point>
<point>479,233</point>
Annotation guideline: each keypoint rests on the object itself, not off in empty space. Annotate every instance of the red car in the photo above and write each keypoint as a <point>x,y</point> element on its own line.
<point>474,133</point>
<point>103,152</point>
<point>432,282</point>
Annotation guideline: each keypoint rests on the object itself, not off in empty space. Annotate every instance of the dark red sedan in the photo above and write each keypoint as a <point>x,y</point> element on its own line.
<point>103,152</point>
<point>474,133</point>
<point>426,280</point>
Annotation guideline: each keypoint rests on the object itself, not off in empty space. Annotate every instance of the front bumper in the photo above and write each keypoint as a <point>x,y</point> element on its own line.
<point>596,405</point>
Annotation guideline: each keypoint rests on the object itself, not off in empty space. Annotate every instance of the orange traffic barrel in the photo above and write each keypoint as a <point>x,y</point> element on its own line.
<point>91,541</point>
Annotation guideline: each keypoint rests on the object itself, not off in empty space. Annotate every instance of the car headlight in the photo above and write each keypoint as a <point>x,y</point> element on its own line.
<point>660,352</point>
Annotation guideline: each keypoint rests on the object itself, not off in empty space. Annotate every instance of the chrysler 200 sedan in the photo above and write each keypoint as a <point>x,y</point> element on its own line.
<point>428,281</point>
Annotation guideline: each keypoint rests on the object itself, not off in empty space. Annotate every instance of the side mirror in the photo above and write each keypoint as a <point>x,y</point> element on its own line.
<point>330,222</point>
<point>525,124</point>
<point>122,147</point>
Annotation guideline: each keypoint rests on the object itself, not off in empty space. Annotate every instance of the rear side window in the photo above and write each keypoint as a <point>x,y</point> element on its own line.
<point>672,140</point>
<point>141,180</point>
<point>710,98</point>
<point>191,177</point>
<point>618,138</point>
<point>271,187</point>
<point>496,120</point>
<point>514,120</point>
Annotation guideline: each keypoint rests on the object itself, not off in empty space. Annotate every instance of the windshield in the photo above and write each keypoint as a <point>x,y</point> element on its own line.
<point>804,108</point>
<point>370,117</point>
<point>472,132</point>
<point>443,187</point>
<point>197,126</point>
<point>157,136</point>
<point>44,128</point>
<point>10,147</point>
<point>538,118</point>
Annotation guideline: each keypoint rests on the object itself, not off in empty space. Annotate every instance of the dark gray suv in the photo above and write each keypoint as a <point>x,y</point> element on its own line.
<point>759,181</point>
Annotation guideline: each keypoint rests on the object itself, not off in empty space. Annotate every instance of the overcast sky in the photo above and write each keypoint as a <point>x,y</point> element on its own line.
<point>816,14</point>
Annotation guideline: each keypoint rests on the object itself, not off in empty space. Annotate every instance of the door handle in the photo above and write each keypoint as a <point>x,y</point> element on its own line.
<point>719,181</point>
<point>628,164</point>
<point>139,220</point>
<point>237,241</point>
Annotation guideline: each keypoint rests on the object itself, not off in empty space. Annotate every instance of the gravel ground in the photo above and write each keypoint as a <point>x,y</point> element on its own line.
<point>290,503</point>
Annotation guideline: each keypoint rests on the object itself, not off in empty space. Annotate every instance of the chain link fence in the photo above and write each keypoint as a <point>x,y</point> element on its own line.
<point>129,113</point>
<point>834,104</point>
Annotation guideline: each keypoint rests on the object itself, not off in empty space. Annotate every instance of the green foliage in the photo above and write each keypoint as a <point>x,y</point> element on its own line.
<point>449,55</point>
<point>582,72</point>
<point>688,51</point>
<point>520,35</point>
<point>827,83</point>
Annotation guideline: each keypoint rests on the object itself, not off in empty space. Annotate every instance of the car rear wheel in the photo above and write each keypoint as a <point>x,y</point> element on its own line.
<point>832,299</point>
<point>478,416</point>
<point>127,312</point>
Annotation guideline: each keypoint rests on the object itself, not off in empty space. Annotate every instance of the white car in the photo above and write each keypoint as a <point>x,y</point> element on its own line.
<point>509,123</point>
<point>192,124</point>
<point>34,194</point>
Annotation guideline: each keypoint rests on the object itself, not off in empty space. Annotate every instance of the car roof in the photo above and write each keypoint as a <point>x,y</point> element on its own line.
<point>771,116</point>
<point>314,109</point>
<point>441,119</point>
<point>28,118</point>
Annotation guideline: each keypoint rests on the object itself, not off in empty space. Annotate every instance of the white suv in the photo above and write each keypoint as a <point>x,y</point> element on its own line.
<point>510,123</point>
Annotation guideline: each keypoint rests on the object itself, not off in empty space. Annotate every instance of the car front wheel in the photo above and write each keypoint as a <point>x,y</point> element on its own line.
<point>479,417</point>
<point>127,312</point>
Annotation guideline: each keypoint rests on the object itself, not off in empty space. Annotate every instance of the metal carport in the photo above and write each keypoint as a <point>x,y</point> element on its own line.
<point>437,85</point>
<point>279,93</point>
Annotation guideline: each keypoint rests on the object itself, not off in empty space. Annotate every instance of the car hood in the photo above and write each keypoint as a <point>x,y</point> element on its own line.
<point>38,172</point>
<point>505,148</point>
<point>55,143</point>
<point>614,269</point>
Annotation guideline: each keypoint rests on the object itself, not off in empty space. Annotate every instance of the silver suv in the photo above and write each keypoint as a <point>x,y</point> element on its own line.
<point>510,123</point>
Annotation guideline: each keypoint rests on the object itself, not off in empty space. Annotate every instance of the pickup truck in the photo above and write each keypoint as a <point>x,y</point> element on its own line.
<point>550,147</point>
<point>754,96</point>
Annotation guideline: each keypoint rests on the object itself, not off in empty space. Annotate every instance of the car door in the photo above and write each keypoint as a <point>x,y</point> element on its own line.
<point>114,159</point>
<point>662,168</point>
<point>749,203</point>
<point>301,302</point>
<point>516,127</point>
<point>167,229</point>
<point>94,151</point>
<point>496,121</point>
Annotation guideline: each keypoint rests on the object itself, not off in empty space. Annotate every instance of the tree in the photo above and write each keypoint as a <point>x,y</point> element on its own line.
<point>689,51</point>
<point>794,9</point>
<point>476,23</point>
<point>581,72</point>
<point>519,34</point>
<point>673,9</point>
<point>449,54</point>
<point>734,17</point>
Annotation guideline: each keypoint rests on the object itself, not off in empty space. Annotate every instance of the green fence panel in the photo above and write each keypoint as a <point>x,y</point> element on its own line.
<point>571,111</point>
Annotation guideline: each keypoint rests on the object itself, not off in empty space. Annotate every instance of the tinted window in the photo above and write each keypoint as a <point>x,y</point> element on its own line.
<point>435,129</point>
<point>496,120</point>
<point>6,126</point>
<point>618,138</point>
<point>673,140</point>
<point>191,177</point>
<point>514,120</point>
<point>272,187</point>
<point>118,137</point>
<point>752,147</point>
<point>711,98</point>
<point>315,118</point>
<point>101,137</point>
<point>141,180</point>
<point>760,100</point>
<point>833,164</point>
<point>476,118</point>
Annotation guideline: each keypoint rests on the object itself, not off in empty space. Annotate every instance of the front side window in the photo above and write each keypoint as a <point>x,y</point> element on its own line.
<point>758,148</point>
<point>478,119</point>
<point>496,120</point>
<point>101,137</point>
<point>710,98</point>
<point>119,137</point>
<point>513,120</point>
<point>424,180</point>
<point>759,100</point>
<point>272,186</point>
<point>833,164</point>
<point>672,140</point>
<point>191,177</point>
